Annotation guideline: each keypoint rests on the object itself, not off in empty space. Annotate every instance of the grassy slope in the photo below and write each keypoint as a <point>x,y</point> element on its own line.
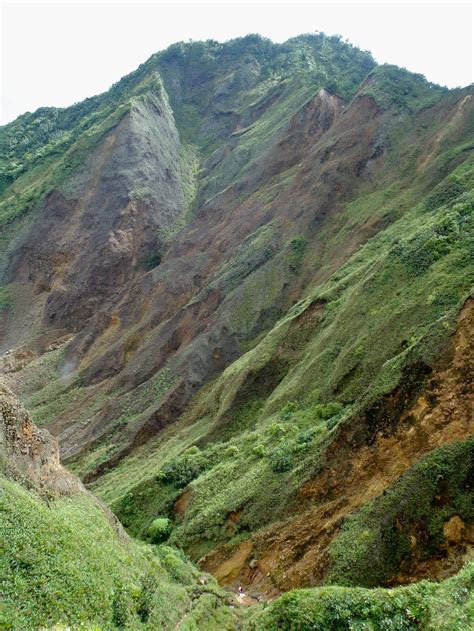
<point>62,563</point>
<point>447,606</point>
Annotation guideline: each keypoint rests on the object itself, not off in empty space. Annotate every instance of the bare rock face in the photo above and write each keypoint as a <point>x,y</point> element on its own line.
<point>90,237</point>
<point>28,454</point>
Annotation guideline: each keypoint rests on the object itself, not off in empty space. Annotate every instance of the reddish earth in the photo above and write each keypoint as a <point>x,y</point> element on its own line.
<point>294,552</point>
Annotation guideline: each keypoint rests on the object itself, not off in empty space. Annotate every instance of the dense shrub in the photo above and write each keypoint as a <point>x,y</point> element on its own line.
<point>429,243</point>
<point>306,436</point>
<point>5,300</point>
<point>160,530</point>
<point>289,410</point>
<point>151,260</point>
<point>259,451</point>
<point>281,458</point>
<point>444,193</point>
<point>296,250</point>
<point>184,469</point>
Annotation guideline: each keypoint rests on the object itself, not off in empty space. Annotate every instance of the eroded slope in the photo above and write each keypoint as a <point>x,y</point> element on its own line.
<point>233,297</point>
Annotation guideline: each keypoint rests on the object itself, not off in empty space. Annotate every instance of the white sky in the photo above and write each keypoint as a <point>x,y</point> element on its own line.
<point>57,53</point>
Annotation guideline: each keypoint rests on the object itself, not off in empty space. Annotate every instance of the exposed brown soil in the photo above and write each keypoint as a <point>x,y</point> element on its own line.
<point>181,505</point>
<point>359,466</point>
<point>457,550</point>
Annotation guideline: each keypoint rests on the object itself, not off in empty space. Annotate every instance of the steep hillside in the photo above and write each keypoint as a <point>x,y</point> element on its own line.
<point>66,559</point>
<point>237,288</point>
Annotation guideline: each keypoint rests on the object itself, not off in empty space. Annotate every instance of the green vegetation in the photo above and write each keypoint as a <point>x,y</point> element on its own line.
<point>50,131</point>
<point>40,151</point>
<point>297,385</point>
<point>151,260</point>
<point>336,291</point>
<point>296,252</point>
<point>376,539</point>
<point>5,299</point>
<point>446,606</point>
<point>160,530</point>
<point>63,563</point>
<point>392,86</point>
<point>255,251</point>
<point>257,470</point>
<point>205,81</point>
<point>450,190</point>
<point>184,469</point>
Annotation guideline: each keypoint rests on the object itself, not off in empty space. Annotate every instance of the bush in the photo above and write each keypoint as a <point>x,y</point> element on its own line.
<point>232,451</point>
<point>430,243</point>
<point>306,436</point>
<point>259,451</point>
<point>442,606</point>
<point>332,422</point>
<point>63,565</point>
<point>5,300</point>
<point>330,410</point>
<point>276,430</point>
<point>281,459</point>
<point>184,469</point>
<point>295,256</point>
<point>443,194</point>
<point>120,607</point>
<point>160,530</point>
<point>144,603</point>
<point>288,410</point>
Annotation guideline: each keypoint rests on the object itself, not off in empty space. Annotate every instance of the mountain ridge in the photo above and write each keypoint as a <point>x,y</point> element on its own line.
<point>242,261</point>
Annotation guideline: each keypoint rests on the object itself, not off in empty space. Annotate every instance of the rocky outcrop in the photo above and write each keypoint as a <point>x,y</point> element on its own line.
<point>28,454</point>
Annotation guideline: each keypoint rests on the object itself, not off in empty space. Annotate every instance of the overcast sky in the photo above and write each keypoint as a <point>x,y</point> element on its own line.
<point>57,53</point>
